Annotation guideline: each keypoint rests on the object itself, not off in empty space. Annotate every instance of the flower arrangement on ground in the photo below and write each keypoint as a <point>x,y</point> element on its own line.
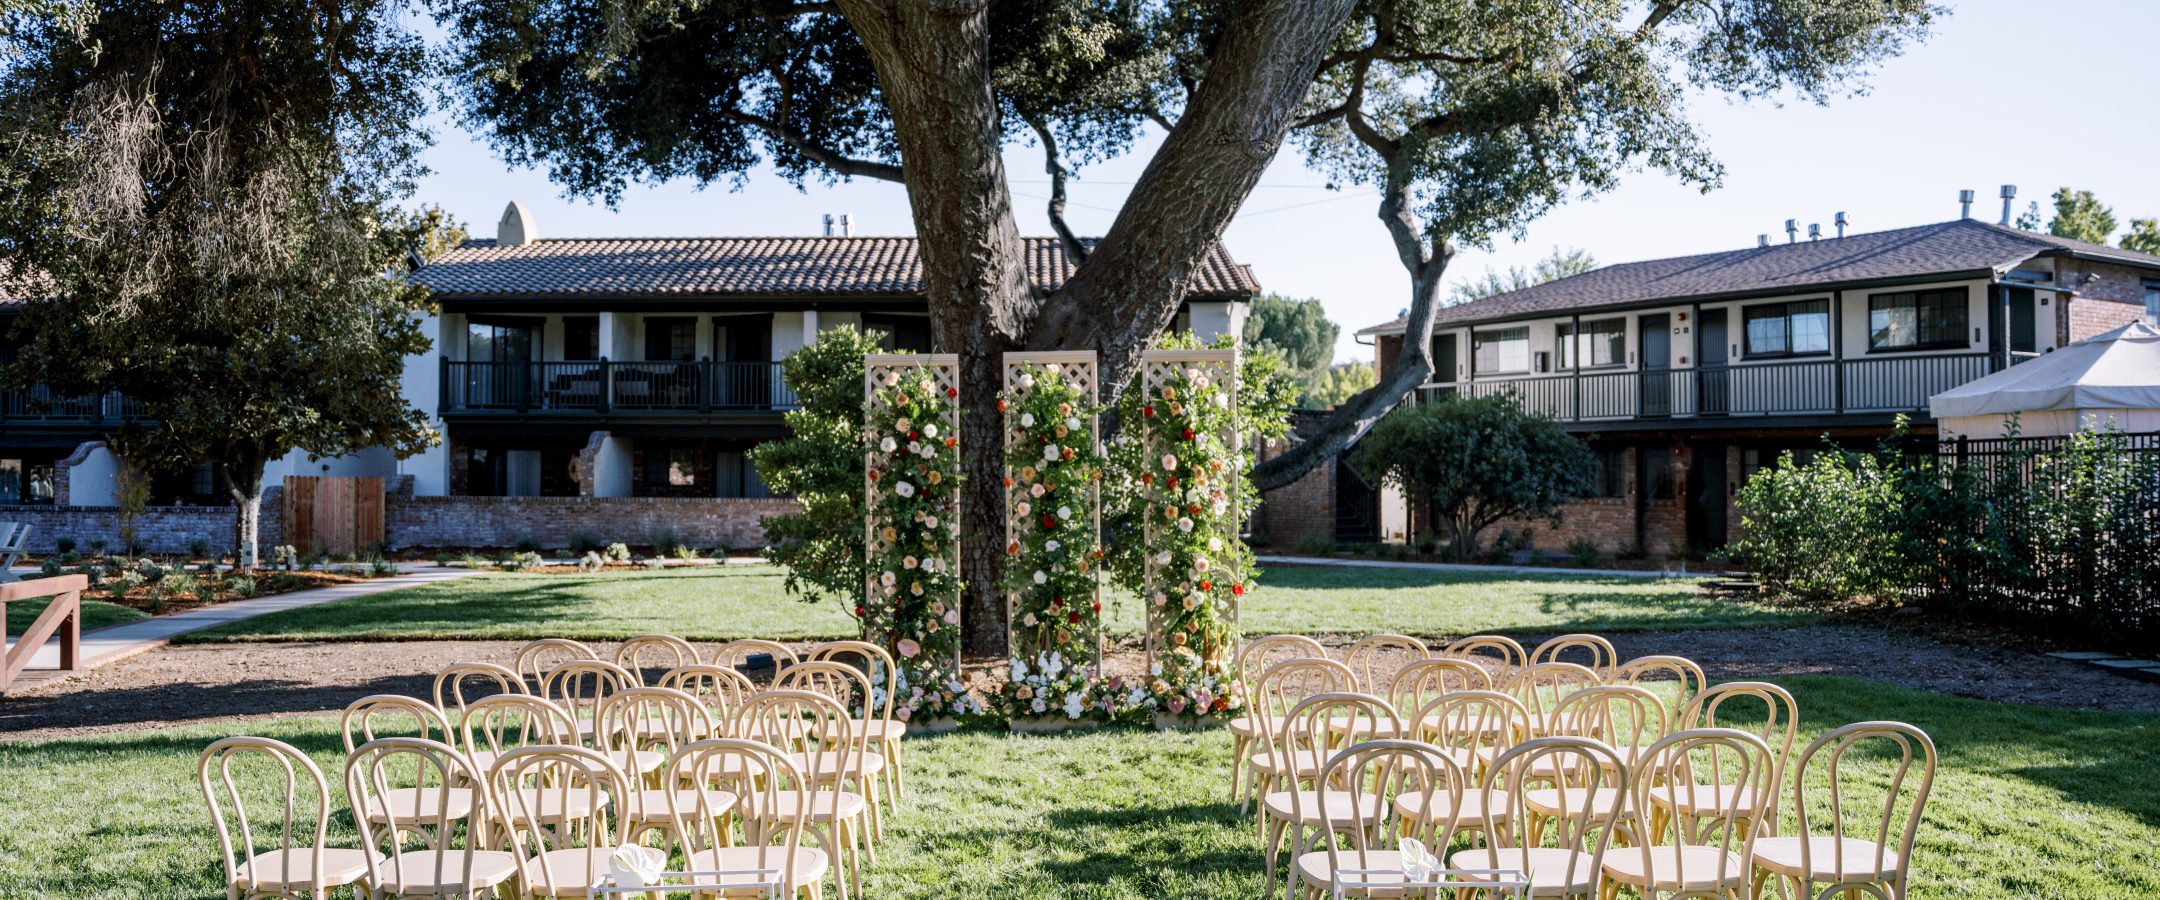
<point>911,604</point>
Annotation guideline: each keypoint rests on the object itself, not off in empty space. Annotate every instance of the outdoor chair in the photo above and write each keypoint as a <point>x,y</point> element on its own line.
<point>298,864</point>
<point>1655,671</point>
<point>553,800</point>
<point>650,725</point>
<point>1353,856</point>
<point>877,726</point>
<point>1744,700</point>
<point>451,695</point>
<point>1568,853</point>
<point>1376,659</point>
<point>719,688</point>
<point>1542,686</point>
<point>379,716</point>
<point>1596,653</point>
<point>1252,659</point>
<point>498,723</point>
<point>14,536</point>
<point>1712,855</point>
<point>579,686</point>
<point>1469,729</point>
<point>735,653</point>
<point>836,817</point>
<point>457,857</point>
<point>1620,716</point>
<point>1423,681</point>
<point>772,862</point>
<point>1270,698</point>
<point>1289,808</point>
<point>535,658</point>
<point>647,652</point>
<point>850,688</point>
<point>1505,654</point>
<point>1864,845</point>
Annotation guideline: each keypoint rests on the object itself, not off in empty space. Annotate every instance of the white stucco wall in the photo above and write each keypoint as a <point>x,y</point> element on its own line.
<point>611,468</point>
<point>95,480</point>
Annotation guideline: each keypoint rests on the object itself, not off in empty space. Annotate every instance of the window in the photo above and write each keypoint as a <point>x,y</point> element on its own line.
<point>1506,350</point>
<point>899,333</point>
<point>1603,343</point>
<point>673,467</point>
<point>499,341</point>
<point>581,338</point>
<point>1753,460</point>
<point>735,476</point>
<point>11,481</point>
<point>671,339</point>
<point>1917,320</point>
<point>1787,329</point>
<point>1610,476</point>
<point>2152,299</point>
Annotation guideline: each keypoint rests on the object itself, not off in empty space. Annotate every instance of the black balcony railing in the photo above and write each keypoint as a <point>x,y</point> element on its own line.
<point>37,405</point>
<point>602,387</point>
<point>1799,387</point>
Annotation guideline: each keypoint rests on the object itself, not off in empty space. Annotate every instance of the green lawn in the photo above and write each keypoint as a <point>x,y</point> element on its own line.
<point>95,614</point>
<point>2032,802</point>
<point>747,601</point>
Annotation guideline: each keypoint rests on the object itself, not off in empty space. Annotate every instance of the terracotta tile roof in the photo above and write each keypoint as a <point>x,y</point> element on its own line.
<point>741,266</point>
<point>1958,246</point>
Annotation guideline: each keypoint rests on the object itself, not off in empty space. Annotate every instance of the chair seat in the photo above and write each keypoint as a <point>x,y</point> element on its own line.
<point>1782,856</point>
<point>1244,727</point>
<point>827,765</point>
<point>652,807</point>
<point>1693,868</point>
<point>1553,872</point>
<point>417,872</point>
<point>1705,799</point>
<point>728,766</point>
<point>1462,724</point>
<point>1469,808</point>
<point>1362,727</point>
<point>1600,804</point>
<point>422,805</point>
<point>810,863</point>
<point>549,804</point>
<point>1303,762</point>
<point>1306,807</point>
<point>279,870</point>
<point>569,872</point>
<point>1319,871</point>
<point>823,805</point>
<point>880,730</point>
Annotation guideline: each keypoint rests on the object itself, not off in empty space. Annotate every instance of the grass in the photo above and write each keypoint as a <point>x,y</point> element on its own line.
<point>95,614</point>
<point>2032,802</point>
<point>748,601</point>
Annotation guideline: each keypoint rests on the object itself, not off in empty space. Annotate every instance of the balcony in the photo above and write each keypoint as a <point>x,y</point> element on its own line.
<point>37,406</point>
<point>598,388</point>
<point>1802,388</point>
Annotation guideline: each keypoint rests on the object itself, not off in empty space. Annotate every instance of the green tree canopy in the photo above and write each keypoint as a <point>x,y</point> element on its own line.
<point>820,463</point>
<point>1299,331</point>
<point>2143,237</point>
<point>1477,461</point>
<point>2080,216</point>
<point>1339,383</point>
<point>1557,265</point>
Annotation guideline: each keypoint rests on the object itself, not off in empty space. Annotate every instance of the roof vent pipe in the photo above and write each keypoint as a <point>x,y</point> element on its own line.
<point>847,225</point>
<point>1762,240</point>
<point>829,223</point>
<point>2009,193</point>
<point>1841,223</point>
<point>1965,199</point>
<point>1814,231</point>
<point>1792,231</point>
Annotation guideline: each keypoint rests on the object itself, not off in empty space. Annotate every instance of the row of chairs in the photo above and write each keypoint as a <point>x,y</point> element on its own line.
<point>551,764</point>
<point>1556,756</point>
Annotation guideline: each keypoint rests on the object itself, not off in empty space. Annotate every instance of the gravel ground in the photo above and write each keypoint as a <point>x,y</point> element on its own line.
<point>199,682</point>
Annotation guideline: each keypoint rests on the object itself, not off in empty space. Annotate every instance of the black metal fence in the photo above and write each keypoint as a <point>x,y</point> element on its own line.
<point>2047,535</point>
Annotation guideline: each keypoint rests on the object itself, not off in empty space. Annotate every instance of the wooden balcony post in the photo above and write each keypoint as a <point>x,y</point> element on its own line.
<point>1837,348</point>
<point>1574,355</point>
<point>442,385</point>
<point>607,384</point>
<point>709,374</point>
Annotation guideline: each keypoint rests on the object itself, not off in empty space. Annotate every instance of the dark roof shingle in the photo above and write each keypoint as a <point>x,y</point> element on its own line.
<point>742,266</point>
<point>1962,245</point>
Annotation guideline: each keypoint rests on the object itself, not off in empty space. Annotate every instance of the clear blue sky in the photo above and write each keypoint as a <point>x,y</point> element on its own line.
<point>2006,92</point>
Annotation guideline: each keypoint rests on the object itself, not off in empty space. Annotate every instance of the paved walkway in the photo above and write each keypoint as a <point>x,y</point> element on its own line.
<point>1469,567</point>
<point>117,642</point>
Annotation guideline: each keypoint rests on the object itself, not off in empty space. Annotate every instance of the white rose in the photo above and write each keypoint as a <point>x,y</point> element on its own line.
<point>928,387</point>
<point>910,562</point>
<point>1027,381</point>
<point>901,424</point>
<point>1222,402</point>
<point>930,430</point>
<point>1052,545</point>
<point>1023,508</point>
<point>1184,524</point>
<point>1064,512</point>
<point>930,521</point>
<point>887,579</point>
<point>1027,420</point>
<point>1214,543</point>
<point>887,445</point>
<point>952,617</point>
<point>892,379</point>
<point>904,489</point>
<point>1192,373</point>
<point>1169,462</point>
<point>1073,424</point>
<point>1040,576</point>
<point>1050,452</point>
<point>1038,705</point>
<point>928,451</point>
<point>1035,490</point>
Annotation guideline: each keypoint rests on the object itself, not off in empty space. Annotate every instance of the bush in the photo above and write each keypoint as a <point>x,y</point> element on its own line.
<point>1477,462</point>
<point>177,584</point>
<point>379,567</point>
<point>285,581</point>
<point>69,556</point>
<point>655,564</point>
<point>1428,542</point>
<point>523,561</point>
<point>241,585</point>
<point>1316,543</point>
<point>583,542</point>
<point>473,560</point>
<point>526,543</point>
<point>1825,532</point>
<point>1585,551</point>
<point>664,541</point>
<point>685,551</point>
<point>198,549</point>
<point>592,561</point>
<point>64,545</point>
<point>206,591</point>
<point>97,546</point>
<point>49,568</point>
<point>618,552</point>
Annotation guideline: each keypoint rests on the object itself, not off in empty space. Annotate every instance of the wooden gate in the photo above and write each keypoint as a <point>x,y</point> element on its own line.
<point>337,515</point>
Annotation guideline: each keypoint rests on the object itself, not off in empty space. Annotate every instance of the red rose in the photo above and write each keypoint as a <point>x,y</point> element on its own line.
<point>1193,509</point>
<point>1207,586</point>
<point>1068,454</point>
<point>913,435</point>
<point>1008,481</point>
<point>952,442</point>
<point>1150,479</point>
<point>1012,549</point>
<point>1001,404</point>
<point>1186,434</point>
<point>1095,606</point>
<point>1237,590</point>
<point>1222,703</point>
<point>873,474</point>
<point>861,612</point>
<point>952,392</point>
<point>1173,482</point>
<point>1147,412</point>
<point>1049,521</point>
<point>1074,618</point>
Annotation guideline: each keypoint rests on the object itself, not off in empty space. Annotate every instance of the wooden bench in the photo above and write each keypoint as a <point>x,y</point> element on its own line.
<point>62,616</point>
<point>13,536</point>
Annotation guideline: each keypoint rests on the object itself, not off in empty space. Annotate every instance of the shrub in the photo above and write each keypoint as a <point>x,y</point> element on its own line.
<point>1824,532</point>
<point>241,585</point>
<point>1478,462</point>
<point>523,561</point>
<point>618,552</point>
<point>1585,551</point>
<point>1316,543</point>
<point>177,583</point>
<point>473,560</point>
<point>121,584</point>
<point>379,567</point>
<point>664,540</point>
<point>152,571</point>
<point>583,542</point>
<point>154,599</point>
<point>685,551</point>
<point>526,543</point>
<point>64,545</point>
<point>206,591</point>
<point>1428,542</point>
<point>49,568</point>
<point>198,549</point>
<point>285,556</point>
<point>97,546</point>
<point>655,564</point>
<point>70,557</point>
<point>285,581</point>
<point>592,561</point>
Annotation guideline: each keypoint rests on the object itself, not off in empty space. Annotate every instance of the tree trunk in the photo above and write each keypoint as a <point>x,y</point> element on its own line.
<point>244,479</point>
<point>1426,260</point>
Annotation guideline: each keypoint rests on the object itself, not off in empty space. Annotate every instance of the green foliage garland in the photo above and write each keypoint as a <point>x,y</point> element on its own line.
<point>1053,470</point>
<point>913,596</point>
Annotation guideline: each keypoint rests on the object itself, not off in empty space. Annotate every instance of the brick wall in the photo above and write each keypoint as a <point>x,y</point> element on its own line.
<point>1302,507</point>
<point>162,530</point>
<point>2089,317</point>
<point>1386,348</point>
<point>702,522</point>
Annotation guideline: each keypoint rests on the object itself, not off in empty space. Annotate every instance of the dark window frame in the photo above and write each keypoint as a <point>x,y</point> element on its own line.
<point>2152,297</point>
<point>689,328</point>
<point>1786,311</point>
<point>1479,340</point>
<point>571,326</point>
<point>1926,335</point>
<point>1565,341</point>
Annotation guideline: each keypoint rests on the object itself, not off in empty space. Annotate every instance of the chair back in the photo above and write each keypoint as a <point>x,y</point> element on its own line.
<point>720,688</point>
<point>1499,649</point>
<point>580,685</point>
<point>460,683</point>
<point>1376,659</point>
<point>1694,767</point>
<point>875,662</point>
<point>1318,722</point>
<point>1618,714</point>
<point>845,684</point>
<point>745,774</point>
<point>649,718</point>
<point>654,651</point>
<point>1542,686</point>
<point>533,660</point>
<point>1420,682</point>
<point>787,718</point>
<point>1261,652</point>
<point>1471,727</point>
<point>503,722</point>
<point>735,653</point>
<point>1653,671</point>
<point>1588,650</point>
<point>1721,706</point>
<point>1283,685</point>
<point>387,715</point>
<point>1854,813</point>
<point>556,797</point>
<point>1584,825</point>
<point>1391,770</point>
<point>299,834</point>
<point>371,777</point>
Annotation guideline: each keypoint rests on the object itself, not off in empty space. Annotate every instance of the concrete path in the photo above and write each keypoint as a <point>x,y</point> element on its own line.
<point>117,642</point>
<point>1468,567</point>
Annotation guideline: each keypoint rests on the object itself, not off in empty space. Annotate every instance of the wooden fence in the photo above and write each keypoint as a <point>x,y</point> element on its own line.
<point>337,515</point>
<point>62,616</point>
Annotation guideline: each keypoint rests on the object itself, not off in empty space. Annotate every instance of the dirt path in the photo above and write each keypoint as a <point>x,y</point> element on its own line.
<point>203,682</point>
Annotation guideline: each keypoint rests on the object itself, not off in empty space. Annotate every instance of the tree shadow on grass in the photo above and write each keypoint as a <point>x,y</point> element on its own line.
<point>180,703</point>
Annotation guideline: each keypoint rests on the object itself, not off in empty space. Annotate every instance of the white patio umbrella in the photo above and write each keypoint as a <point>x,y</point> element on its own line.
<point>2111,378</point>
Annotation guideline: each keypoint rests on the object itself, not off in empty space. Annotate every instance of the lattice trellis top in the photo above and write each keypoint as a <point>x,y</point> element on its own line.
<point>1076,367</point>
<point>1160,366</point>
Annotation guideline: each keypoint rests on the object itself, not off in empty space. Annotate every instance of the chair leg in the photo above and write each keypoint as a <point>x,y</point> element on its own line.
<point>1237,764</point>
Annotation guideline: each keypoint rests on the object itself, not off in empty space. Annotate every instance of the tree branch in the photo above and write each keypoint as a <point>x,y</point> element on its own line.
<point>815,152</point>
<point>1074,250</point>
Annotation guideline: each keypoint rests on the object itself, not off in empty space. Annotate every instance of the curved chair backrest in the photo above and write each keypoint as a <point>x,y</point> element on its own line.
<point>1654,671</point>
<point>875,663</point>
<point>745,774</point>
<point>1891,826</point>
<point>1316,723</point>
<point>1390,770</point>
<point>1473,725</point>
<point>1694,766</point>
<point>556,797</point>
<point>735,653</point>
<point>1261,652</point>
<point>1284,684</point>
<point>299,835</point>
<point>1490,647</point>
<point>654,651</point>
<point>720,688</point>
<point>1375,659</point>
<point>656,718</point>
<point>580,685</point>
<point>533,660</point>
<point>387,715</point>
<point>369,782</point>
<point>452,695</point>
<point>1542,686</point>
<point>504,722</point>
<point>1620,715</point>
<point>845,684</point>
<point>1590,651</point>
<point>1718,706</point>
<point>1585,825</point>
<point>785,718</point>
<point>1420,682</point>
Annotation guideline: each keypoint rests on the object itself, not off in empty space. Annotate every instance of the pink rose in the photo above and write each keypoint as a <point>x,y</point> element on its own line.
<point>908,648</point>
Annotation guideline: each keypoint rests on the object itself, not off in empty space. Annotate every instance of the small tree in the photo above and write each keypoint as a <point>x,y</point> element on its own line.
<point>1299,330</point>
<point>821,464</point>
<point>1477,461</point>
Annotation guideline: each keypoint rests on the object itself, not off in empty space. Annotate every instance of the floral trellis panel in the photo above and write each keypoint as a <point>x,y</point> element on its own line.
<point>1053,530</point>
<point>1193,458</point>
<point>911,525</point>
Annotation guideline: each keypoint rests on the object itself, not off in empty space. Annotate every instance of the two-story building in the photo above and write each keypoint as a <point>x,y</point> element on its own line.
<point>607,386</point>
<point>1685,375</point>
